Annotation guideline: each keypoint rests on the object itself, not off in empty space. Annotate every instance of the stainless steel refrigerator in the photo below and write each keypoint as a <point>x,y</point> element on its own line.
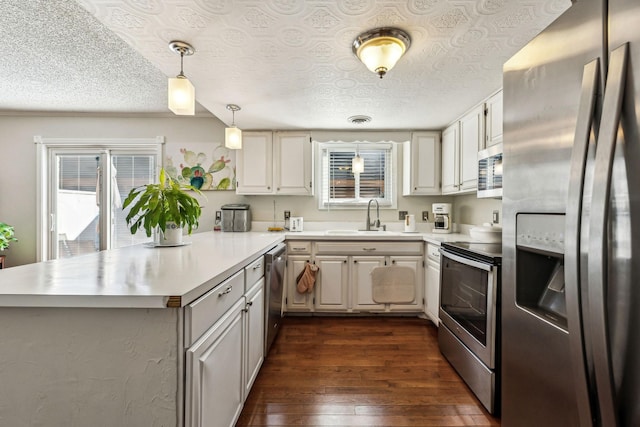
<point>571,234</point>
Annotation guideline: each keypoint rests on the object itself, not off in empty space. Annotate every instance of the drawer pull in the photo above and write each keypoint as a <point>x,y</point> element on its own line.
<point>369,249</point>
<point>226,291</point>
<point>299,249</point>
<point>257,266</point>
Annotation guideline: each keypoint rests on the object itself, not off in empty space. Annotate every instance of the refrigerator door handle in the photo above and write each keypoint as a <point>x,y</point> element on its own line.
<point>584,124</point>
<point>598,233</point>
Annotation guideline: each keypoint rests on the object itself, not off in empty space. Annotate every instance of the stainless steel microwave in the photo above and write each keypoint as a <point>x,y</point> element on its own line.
<point>490,172</point>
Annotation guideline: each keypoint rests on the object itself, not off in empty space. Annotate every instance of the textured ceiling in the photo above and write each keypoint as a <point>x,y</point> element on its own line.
<point>287,63</point>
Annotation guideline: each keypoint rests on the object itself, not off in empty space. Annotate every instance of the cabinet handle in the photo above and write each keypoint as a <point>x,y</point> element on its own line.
<point>355,262</point>
<point>257,266</point>
<point>369,249</point>
<point>278,189</point>
<point>393,262</point>
<point>250,303</point>
<point>268,188</point>
<point>226,291</point>
<point>345,261</point>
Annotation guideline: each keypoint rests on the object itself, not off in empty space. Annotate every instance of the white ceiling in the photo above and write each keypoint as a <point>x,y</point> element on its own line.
<point>287,63</point>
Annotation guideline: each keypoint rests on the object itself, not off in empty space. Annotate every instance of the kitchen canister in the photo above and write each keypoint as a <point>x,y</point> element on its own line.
<point>409,223</point>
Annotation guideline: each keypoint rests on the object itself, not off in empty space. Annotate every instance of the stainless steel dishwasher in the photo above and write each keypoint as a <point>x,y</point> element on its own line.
<point>275,262</point>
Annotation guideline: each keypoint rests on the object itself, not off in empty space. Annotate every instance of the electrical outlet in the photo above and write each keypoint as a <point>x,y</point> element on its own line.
<point>287,215</point>
<point>496,217</point>
<point>218,216</point>
<point>402,214</point>
<point>425,215</point>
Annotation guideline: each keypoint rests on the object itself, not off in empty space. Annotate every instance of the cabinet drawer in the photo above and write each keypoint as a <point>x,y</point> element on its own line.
<point>433,252</point>
<point>201,314</point>
<point>299,247</point>
<point>369,247</point>
<point>253,272</point>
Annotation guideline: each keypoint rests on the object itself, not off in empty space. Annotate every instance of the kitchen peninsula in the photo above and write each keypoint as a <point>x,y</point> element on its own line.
<point>100,339</point>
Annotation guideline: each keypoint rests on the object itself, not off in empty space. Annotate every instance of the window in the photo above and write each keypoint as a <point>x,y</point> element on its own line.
<point>340,187</point>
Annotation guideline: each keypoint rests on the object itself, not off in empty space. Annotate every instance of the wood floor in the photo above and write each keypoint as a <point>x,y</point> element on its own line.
<point>365,371</point>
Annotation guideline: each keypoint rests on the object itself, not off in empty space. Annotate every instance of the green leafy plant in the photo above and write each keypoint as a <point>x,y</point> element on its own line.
<point>154,205</point>
<point>6,235</point>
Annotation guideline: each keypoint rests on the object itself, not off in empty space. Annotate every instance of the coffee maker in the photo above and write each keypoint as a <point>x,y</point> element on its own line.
<point>442,214</point>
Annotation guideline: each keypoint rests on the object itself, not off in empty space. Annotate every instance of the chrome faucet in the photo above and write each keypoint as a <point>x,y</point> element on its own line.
<point>376,223</point>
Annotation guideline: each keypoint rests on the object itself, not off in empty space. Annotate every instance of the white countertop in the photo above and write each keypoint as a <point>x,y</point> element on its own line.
<point>142,277</point>
<point>135,276</point>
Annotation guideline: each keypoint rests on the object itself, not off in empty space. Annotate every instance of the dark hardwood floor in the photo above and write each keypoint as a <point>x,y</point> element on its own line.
<point>363,371</point>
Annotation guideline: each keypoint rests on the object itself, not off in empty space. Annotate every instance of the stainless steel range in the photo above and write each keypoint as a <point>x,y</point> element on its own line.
<point>470,315</point>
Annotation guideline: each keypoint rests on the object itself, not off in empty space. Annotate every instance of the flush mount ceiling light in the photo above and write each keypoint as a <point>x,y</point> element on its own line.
<point>233,135</point>
<point>182,95</point>
<point>381,48</point>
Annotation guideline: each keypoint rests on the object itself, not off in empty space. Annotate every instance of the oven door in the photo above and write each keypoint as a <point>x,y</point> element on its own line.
<point>468,290</point>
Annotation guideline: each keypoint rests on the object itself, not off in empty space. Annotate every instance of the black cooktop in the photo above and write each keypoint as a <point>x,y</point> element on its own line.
<point>491,252</point>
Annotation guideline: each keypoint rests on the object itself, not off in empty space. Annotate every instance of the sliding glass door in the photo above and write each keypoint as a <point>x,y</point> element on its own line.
<point>84,189</point>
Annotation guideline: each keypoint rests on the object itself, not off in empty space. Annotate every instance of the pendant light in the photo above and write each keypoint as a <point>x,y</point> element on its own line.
<point>233,135</point>
<point>381,48</point>
<point>181,93</point>
<point>357,164</point>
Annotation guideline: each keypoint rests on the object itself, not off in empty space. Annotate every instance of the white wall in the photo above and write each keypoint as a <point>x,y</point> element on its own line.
<point>18,175</point>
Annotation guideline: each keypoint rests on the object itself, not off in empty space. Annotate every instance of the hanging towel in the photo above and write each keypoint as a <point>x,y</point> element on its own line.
<point>307,278</point>
<point>393,284</point>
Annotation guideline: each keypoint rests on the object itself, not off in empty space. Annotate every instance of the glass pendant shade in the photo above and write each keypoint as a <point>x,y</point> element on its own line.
<point>380,49</point>
<point>357,164</point>
<point>233,138</point>
<point>182,96</point>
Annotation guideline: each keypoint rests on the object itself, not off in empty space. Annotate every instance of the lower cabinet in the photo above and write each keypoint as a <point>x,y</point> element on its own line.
<point>223,361</point>
<point>432,284</point>
<point>296,301</point>
<point>361,267</point>
<point>343,283</point>
<point>254,334</point>
<point>332,283</point>
<point>214,368</point>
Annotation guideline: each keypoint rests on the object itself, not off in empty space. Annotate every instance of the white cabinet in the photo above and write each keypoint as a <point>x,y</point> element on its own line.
<point>362,295</point>
<point>296,301</point>
<point>254,164</point>
<point>460,145</point>
<point>332,283</point>
<point>493,123</point>
<point>421,164</point>
<point>471,141</point>
<point>214,373</point>
<point>416,264</point>
<point>450,163</point>
<point>254,334</point>
<point>432,284</point>
<point>274,163</point>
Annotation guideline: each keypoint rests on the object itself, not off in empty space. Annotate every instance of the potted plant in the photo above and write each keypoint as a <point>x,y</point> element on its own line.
<point>166,207</point>
<point>6,236</point>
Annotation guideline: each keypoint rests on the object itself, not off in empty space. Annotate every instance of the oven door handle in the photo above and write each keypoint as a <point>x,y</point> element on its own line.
<point>466,261</point>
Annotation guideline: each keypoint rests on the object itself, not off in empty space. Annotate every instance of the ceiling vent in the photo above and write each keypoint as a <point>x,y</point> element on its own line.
<point>359,120</point>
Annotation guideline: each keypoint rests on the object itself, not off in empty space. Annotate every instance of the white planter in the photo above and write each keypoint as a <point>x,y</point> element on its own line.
<point>172,235</point>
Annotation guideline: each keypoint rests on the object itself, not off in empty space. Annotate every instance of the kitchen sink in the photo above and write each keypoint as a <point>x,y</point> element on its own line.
<point>356,232</point>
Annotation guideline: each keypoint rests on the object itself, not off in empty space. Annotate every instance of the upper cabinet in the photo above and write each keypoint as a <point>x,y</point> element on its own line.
<point>494,119</point>
<point>450,162</point>
<point>479,128</point>
<point>421,164</point>
<point>274,163</point>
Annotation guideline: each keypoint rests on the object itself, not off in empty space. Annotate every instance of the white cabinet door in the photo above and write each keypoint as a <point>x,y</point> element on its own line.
<point>432,281</point>
<point>295,300</point>
<point>214,388</point>
<point>361,267</point>
<point>254,164</point>
<point>450,163</point>
<point>293,164</point>
<point>421,164</point>
<point>471,141</point>
<point>415,263</point>
<point>493,121</point>
<point>254,334</point>
<point>332,283</point>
